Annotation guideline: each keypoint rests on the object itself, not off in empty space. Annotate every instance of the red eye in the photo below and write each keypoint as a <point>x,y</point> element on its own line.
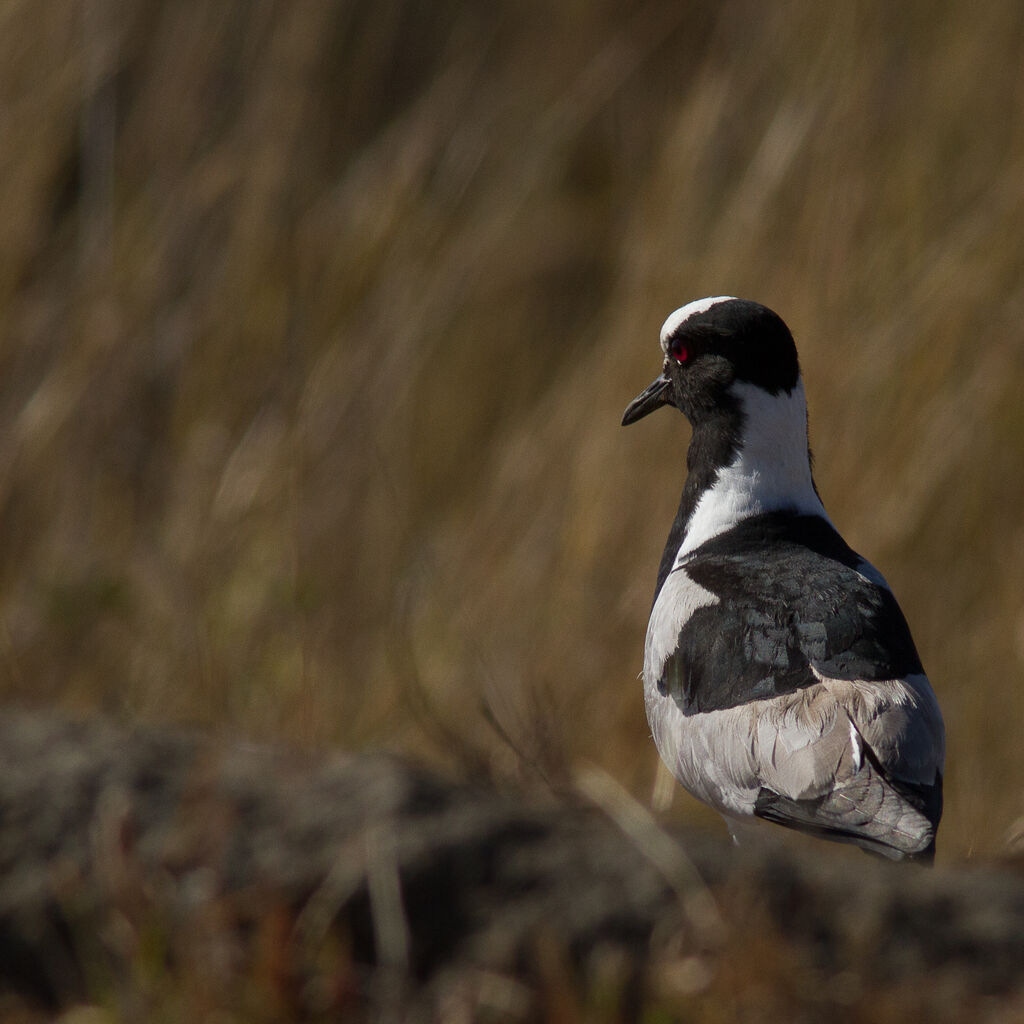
<point>680,353</point>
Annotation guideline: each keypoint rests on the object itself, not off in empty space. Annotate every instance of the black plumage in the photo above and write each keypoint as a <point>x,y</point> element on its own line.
<point>791,600</point>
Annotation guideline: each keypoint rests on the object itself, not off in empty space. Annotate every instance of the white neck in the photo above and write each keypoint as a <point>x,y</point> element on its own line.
<point>772,470</point>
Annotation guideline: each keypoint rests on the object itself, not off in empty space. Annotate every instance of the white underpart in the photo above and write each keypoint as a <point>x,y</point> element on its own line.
<point>771,471</point>
<point>684,313</point>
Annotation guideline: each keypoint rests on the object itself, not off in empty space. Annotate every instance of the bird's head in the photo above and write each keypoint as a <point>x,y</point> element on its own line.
<point>711,344</point>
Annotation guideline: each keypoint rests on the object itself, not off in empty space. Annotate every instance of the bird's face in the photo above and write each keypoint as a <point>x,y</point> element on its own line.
<point>708,345</point>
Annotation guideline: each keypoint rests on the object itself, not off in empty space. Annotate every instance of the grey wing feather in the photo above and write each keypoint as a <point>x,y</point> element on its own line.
<point>863,809</point>
<point>847,760</point>
<point>880,785</point>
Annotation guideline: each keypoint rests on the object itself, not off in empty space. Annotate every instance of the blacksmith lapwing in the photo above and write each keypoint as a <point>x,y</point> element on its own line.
<point>780,677</point>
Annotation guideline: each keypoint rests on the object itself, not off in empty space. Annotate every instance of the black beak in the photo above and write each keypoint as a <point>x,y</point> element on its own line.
<point>655,395</point>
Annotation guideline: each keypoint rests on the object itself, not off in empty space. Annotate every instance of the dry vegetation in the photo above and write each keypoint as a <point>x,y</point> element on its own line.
<point>318,320</point>
<point>153,874</point>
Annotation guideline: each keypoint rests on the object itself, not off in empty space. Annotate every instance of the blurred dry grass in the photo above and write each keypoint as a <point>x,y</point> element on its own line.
<point>318,320</point>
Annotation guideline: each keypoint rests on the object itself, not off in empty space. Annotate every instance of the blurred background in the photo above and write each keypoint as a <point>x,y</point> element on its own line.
<point>317,321</point>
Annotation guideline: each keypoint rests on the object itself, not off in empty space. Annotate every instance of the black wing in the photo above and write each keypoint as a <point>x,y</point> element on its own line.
<point>790,598</point>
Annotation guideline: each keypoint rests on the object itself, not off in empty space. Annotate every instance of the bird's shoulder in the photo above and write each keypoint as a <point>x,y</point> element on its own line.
<point>786,602</point>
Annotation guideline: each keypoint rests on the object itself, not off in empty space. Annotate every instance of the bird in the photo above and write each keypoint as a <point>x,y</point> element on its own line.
<point>781,680</point>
